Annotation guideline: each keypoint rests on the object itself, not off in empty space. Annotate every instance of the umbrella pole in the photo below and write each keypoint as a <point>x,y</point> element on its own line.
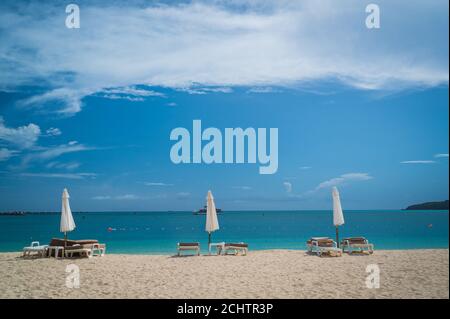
<point>337,236</point>
<point>65,239</point>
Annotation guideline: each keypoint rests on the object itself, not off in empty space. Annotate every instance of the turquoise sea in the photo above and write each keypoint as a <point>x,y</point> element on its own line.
<point>158,232</point>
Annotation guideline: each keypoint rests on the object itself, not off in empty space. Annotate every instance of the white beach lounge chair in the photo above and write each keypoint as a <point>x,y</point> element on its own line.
<point>324,246</point>
<point>236,248</point>
<point>98,250</point>
<point>356,244</point>
<point>35,247</point>
<point>188,246</point>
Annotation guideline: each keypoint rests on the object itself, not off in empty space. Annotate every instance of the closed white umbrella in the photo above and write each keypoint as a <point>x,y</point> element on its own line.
<point>67,222</point>
<point>338,216</point>
<point>212,224</point>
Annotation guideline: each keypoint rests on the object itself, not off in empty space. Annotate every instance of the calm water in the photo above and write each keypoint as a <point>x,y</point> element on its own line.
<point>158,232</point>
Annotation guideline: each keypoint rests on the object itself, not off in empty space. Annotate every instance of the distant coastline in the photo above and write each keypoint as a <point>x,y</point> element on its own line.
<point>443,205</point>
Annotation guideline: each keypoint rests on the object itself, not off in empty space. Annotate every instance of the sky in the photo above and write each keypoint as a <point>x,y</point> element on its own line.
<point>92,109</point>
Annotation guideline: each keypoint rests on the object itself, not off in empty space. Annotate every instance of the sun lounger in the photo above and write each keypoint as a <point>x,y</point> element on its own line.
<point>309,242</point>
<point>236,248</point>
<point>356,244</point>
<point>96,249</point>
<point>323,246</point>
<point>188,246</point>
<point>35,247</point>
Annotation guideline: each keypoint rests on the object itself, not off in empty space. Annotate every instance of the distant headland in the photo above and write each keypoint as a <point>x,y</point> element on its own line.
<point>430,206</point>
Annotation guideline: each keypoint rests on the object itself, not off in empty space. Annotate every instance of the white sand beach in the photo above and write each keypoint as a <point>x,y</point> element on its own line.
<point>260,274</point>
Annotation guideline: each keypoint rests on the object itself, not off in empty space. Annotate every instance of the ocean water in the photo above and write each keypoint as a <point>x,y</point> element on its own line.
<point>158,232</point>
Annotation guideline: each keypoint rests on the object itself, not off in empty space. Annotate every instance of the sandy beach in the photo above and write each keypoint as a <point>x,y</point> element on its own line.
<point>261,274</point>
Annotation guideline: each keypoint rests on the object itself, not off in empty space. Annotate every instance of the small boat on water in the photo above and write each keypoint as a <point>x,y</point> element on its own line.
<point>202,211</point>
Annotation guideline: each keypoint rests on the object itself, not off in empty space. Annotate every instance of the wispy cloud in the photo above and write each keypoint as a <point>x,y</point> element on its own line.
<point>64,101</point>
<point>243,188</point>
<point>442,155</point>
<point>157,184</point>
<point>130,93</point>
<point>305,167</point>
<point>343,179</point>
<point>261,90</point>
<point>117,197</point>
<point>68,166</point>
<point>101,197</point>
<point>53,131</point>
<point>218,44</point>
<point>127,197</point>
<point>22,136</point>
<point>60,175</point>
<point>205,90</point>
<point>47,153</point>
<point>6,154</point>
<point>418,162</point>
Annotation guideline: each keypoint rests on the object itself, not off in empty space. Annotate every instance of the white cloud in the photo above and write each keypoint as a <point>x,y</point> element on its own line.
<point>53,131</point>
<point>266,89</point>
<point>343,179</point>
<point>287,187</point>
<point>443,155</point>
<point>22,136</point>
<point>118,197</point>
<point>127,197</point>
<point>243,188</point>
<point>48,153</point>
<point>418,162</point>
<point>219,44</point>
<point>129,93</point>
<point>305,167</point>
<point>101,197</point>
<point>205,90</point>
<point>69,166</point>
<point>60,175</point>
<point>157,184</point>
<point>64,101</point>
<point>6,154</point>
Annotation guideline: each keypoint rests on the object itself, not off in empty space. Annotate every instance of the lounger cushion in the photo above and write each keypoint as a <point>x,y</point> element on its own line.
<point>188,244</point>
<point>75,247</point>
<point>355,240</point>
<point>325,242</point>
<point>69,242</point>
<point>236,245</point>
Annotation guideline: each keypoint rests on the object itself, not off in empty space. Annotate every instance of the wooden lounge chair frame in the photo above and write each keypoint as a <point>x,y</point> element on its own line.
<point>188,246</point>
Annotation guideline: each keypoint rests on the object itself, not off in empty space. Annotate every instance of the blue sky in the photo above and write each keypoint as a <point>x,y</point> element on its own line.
<point>92,109</point>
